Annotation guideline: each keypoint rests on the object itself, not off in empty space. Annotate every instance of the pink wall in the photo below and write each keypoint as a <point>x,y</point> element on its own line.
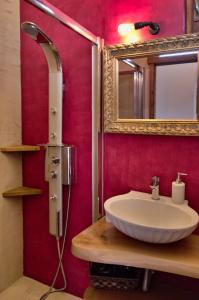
<point>170,16</point>
<point>40,256</point>
<point>140,157</point>
<point>130,160</point>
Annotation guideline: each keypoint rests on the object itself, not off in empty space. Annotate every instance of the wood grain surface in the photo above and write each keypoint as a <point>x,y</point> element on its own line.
<point>21,191</point>
<point>103,243</point>
<point>158,292</point>
<point>19,148</point>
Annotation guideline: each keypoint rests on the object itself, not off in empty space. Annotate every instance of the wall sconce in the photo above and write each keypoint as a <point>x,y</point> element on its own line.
<point>125,29</point>
<point>154,28</point>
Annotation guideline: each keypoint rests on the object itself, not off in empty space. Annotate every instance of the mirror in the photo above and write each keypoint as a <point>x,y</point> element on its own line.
<point>152,87</point>
<point>158,87</point>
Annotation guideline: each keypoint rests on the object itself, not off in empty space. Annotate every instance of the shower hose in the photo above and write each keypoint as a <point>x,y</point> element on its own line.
<point>60,250</point>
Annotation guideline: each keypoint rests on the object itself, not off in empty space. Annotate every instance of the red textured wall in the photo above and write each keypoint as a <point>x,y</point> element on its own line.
<point>169,14</point>
<point>40,255</point>
<point>130,160</point>
<point>140,157</point>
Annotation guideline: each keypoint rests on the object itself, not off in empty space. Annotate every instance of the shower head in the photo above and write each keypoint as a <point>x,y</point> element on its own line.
<point>35,33</point>
<point>46,44</point>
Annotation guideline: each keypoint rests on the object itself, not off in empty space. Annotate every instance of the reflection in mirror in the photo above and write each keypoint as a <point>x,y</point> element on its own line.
<point>131,76</point>
<point>158,86</point>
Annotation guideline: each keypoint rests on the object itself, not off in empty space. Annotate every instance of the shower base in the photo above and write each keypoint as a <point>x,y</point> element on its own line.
<point>28,289</point>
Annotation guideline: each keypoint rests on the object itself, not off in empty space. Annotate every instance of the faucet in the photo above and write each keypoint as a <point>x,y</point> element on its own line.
<point>155,187</point>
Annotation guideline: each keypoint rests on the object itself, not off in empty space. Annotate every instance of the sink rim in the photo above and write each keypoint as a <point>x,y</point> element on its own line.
<point>165,201</point>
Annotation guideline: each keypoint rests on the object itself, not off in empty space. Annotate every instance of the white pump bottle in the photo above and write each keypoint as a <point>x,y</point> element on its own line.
<point>178,190</point>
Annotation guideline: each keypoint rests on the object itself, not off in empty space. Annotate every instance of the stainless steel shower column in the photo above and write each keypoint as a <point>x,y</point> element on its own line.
<point>97,46</point>
<point>54,147</point>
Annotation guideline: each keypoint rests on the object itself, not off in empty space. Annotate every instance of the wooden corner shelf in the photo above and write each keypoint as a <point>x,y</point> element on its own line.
<point>19,148</point>
<point>22,191</point>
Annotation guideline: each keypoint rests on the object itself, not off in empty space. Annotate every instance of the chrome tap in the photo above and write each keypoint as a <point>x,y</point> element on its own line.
<point>155,187</point>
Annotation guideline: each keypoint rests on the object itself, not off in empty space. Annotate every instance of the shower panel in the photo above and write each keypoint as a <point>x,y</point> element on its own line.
<point>57,155</point>
<point>97,45</point>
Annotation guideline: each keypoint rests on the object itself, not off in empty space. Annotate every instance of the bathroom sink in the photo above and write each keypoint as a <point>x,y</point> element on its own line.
<point>154,221</point>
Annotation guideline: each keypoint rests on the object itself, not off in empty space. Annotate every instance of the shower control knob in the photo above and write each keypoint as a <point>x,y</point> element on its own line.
<point>53,135</point>
<point>53,197</point>
<point>56,160</point>
<point>53,110</point>
<point>53,174</point>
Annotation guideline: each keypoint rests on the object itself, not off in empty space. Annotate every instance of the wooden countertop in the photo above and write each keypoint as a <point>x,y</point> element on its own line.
<point>103,243</point>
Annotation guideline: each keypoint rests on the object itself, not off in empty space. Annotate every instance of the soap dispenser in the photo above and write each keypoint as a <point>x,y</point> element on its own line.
<point>178,190</point>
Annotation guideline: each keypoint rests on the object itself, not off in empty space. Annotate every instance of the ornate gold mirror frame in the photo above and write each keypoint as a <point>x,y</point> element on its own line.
<point>111,54</point>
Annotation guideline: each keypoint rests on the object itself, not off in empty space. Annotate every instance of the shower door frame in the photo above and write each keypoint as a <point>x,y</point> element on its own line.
<point>97,47</point>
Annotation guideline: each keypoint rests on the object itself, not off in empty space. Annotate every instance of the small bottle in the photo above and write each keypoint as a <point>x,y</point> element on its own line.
<point>178,190</point>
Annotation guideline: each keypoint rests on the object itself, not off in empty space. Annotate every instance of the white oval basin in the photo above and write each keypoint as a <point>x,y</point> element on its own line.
<point>154,221</point>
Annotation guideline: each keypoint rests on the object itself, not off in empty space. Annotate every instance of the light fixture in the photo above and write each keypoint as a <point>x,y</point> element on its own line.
<point>154,28</point>
<point>126,28</point>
